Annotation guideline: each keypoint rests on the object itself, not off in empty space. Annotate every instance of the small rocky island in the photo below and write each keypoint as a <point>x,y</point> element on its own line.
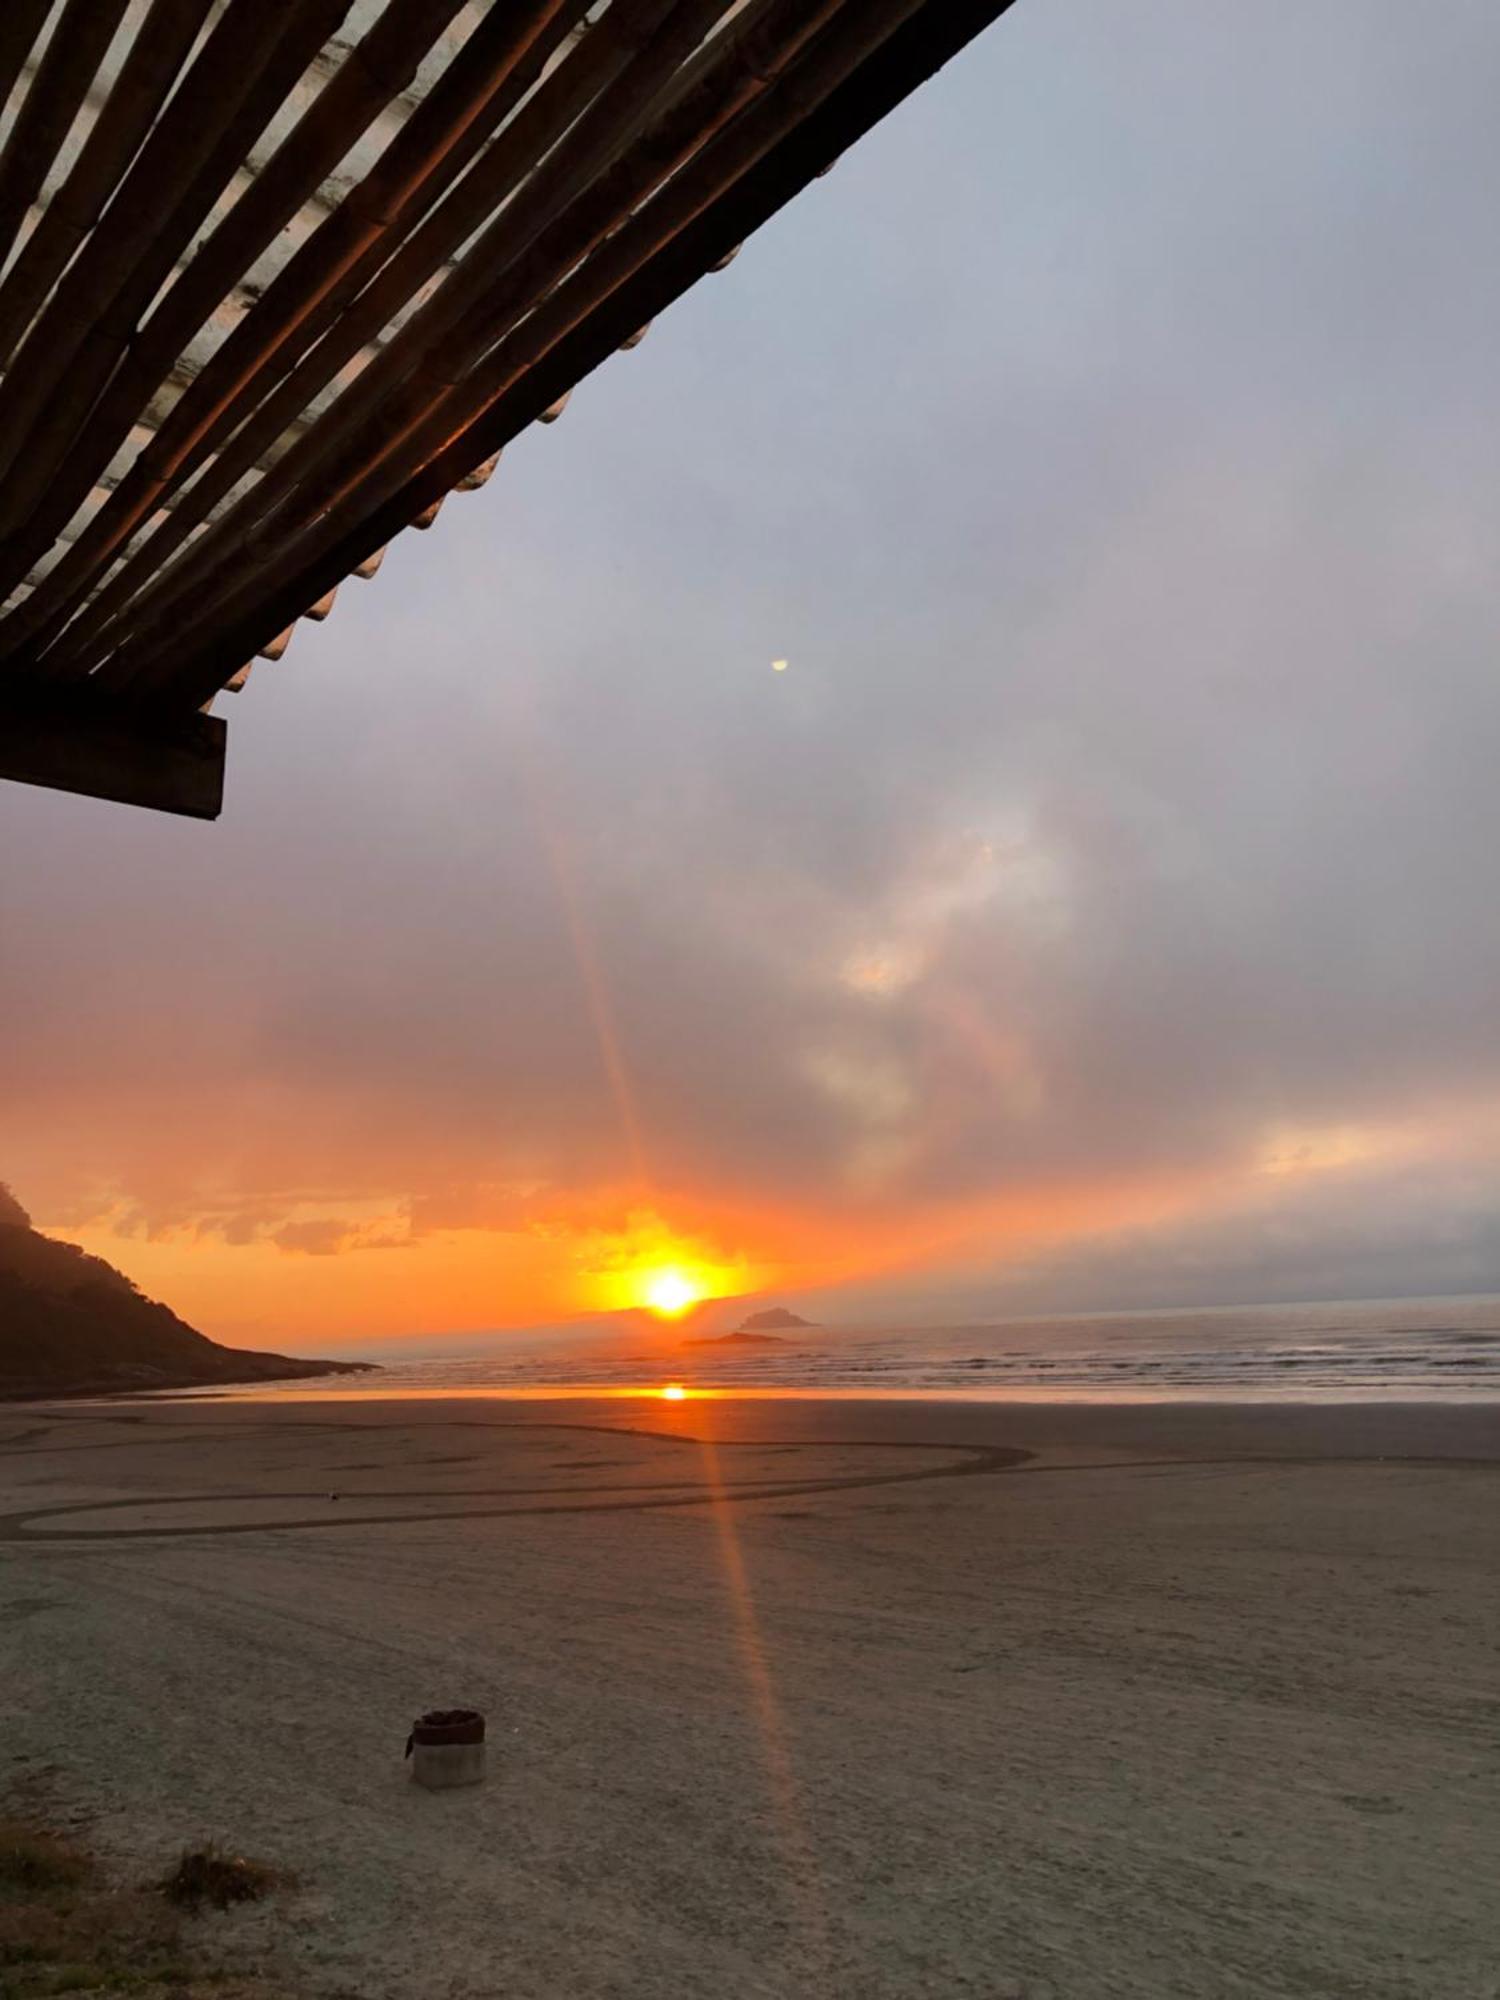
<point>72,1325</point>
<point>756,1331</point>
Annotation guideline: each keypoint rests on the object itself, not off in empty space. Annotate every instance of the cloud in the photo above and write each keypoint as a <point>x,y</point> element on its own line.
<point>331,1236</point>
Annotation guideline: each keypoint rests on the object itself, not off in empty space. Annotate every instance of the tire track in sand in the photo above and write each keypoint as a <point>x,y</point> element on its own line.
<point>23,1525</point>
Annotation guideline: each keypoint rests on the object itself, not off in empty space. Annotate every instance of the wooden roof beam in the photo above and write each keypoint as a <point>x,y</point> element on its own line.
<point>889,74</point>
<point>56,481</point>
<point>77,743</point>
<point>535,127</point>
<point>557,217</point>
<point>242,72</point>
<point>156,55</point>
<point>470,96</point>
<point>20,24</point>
<point>74,51</point>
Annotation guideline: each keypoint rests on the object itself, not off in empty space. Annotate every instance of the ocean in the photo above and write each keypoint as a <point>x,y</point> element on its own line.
<point>1418,1350</point>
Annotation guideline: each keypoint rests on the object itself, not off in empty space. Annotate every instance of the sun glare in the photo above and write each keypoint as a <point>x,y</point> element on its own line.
<point>670,1293</point>
<point>648,1266</point>
<point>674,1392</point>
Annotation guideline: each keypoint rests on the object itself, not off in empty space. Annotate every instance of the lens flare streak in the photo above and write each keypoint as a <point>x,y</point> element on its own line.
<point>803,1888</point>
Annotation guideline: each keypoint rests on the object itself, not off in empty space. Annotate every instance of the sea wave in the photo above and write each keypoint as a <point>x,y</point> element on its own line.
<point>1396,1350</point>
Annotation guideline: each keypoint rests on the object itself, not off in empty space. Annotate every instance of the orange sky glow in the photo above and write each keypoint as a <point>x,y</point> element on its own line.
<point>374,1284</point>
<point>368,1275</point>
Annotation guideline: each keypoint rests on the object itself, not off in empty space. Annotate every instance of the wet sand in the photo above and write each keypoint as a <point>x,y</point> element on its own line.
<point>809,1700</point>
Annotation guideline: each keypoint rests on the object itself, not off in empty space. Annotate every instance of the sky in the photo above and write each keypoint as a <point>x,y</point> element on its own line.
<point>1098,909</point>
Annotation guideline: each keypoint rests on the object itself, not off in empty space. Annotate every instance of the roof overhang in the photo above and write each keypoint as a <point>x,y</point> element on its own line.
<point>277,281</point>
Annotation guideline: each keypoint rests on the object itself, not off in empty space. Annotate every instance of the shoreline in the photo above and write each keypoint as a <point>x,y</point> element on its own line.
<point>1373,1428</point>
<point>296,1371</point>
<point>278,1394</point>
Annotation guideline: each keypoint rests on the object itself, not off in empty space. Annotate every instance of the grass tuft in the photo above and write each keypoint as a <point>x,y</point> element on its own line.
<point>65,1929</point>
<point>32,1859</point>
<point>210,1875</point>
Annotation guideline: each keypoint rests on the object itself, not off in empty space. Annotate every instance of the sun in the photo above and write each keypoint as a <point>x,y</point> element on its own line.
<point>674,1392</point>
<point>670,1292</point>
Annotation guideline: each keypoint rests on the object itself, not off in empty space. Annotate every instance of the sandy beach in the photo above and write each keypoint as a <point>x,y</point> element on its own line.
<point>785,1699</point>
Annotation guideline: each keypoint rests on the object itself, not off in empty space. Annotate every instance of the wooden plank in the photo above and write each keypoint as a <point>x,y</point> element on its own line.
<point>79,745</point>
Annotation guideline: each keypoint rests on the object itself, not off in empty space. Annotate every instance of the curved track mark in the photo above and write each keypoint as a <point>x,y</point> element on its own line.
<point>644,1497</point>
<point>195,1433</point>
<point>976,1459</point>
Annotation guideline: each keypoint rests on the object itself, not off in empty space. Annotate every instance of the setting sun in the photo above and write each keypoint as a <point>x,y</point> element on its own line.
<point>674,1392</point>
<point>646,1263</point>
<point>670,1292</point>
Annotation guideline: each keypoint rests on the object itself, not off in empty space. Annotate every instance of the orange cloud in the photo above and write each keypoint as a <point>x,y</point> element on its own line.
<point>287,1272</point>
<point>330,1236</point>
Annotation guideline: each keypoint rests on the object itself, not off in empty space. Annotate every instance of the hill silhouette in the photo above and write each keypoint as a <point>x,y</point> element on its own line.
<point>71,1324</point>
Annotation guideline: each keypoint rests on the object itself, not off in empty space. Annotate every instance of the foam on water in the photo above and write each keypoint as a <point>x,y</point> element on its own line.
<point>1413,1350</point>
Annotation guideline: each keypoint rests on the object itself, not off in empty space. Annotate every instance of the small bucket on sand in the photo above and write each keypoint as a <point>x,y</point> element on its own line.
<point>446,1748</point>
